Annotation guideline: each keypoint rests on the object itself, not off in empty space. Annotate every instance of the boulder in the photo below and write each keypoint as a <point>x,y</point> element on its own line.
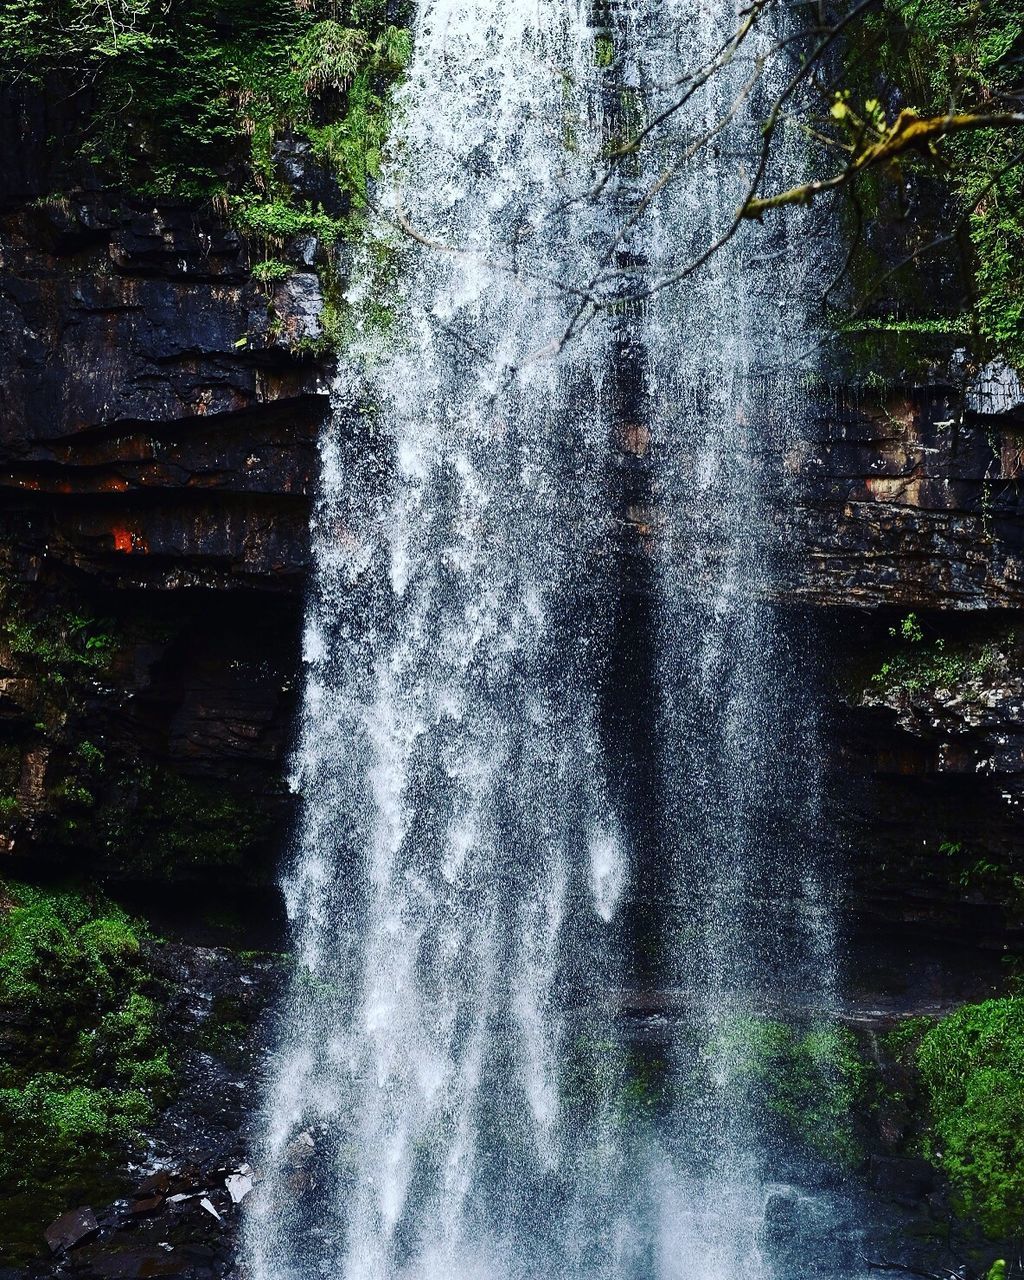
<point>71,1229</point>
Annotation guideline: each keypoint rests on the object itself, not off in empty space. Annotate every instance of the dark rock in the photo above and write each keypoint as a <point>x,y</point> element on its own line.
<point>299,300</point>
<point>138,1264</point>
<point>997,389</point>
<point>158,1183</point>
<point>166,377</point>
<point>296,166</point>
<point>780,1215</point>
<point>71,1229</point>
<point>903,1179</point>
<point>147,1205</point>
<point>908,500</point>
<point>158,430</point>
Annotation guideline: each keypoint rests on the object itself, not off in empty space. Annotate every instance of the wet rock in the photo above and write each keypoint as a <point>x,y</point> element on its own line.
<point>301,1151</point>
<point>71,1229</point>
<point>905,500</point>
<point>902,1179</point>
<point>164,377</point>
<point>780,1216</point>
<point>147,1205</point>
<point>189,1179</point>
<point>138,1264</point>
<point>997,389</point>
<point>299,302</point>
<point>239,1184</point>
<point>296,166</point>
<point>158,1183</point>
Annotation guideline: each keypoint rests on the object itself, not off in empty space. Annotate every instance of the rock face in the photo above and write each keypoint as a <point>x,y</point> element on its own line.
<point>909,500</point>
<point>183,1217</point>
<point>912,498</point>
<point>929,784</point>
<point>159,411</point>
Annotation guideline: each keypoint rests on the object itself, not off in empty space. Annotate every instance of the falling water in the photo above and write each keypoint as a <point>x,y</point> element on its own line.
<point>450,1091</point>
<point>744,911</point>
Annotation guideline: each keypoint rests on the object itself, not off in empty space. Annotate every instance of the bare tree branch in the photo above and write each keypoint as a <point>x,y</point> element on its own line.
<point>908,132</point>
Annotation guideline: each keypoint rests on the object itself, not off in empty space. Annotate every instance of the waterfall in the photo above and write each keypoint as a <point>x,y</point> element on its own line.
<point>745,912</point>
<point>451,1085</point>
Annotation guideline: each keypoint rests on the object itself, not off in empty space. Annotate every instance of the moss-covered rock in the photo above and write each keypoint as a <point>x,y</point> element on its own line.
<point>972,1069</point>
<point>813,1079</point>
<point>86,1057</point>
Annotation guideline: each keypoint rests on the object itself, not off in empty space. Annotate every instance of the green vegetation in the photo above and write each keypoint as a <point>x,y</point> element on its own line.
<point>813,1079</point>
<point>270,269</point>
<point>900,1042</point>
<point>169,825</point>
<point>86,1064</point>
<point>175,96</point>
<point>972,1068</point>
<point>175,88</point>
<point>941,57</point>
<point>921,664</point>
<point>79,792</point>
<point>227,1031</point>
<point>60,645</point>
<point>996,879</point>
<point>604,50</point>
<point>64,653</point>
<point>957,325</point>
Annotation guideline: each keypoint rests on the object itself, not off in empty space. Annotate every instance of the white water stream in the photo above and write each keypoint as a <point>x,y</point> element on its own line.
<point>448,1091</point>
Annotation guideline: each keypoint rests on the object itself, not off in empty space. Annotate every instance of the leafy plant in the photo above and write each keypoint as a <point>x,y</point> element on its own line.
<point>328,56</point>
<point>268,270</point>
<point>177,94</point>
<point>950,57</point>
<point>921,664</point>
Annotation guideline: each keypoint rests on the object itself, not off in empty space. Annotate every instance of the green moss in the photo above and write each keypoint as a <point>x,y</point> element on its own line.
<point>958,325</point>
<point>57,644</point>
<point>900,1042</point>
<point>155,821</point>
<point>604,50</point>
<point>46,935</point>
<point>972,1067</point>
<point>227,1032</point>
<point>177,93</point>
<point>603,1082</point>
<point>89,1062</point>
<point>91,755</point>
<point>813,1079</point>
<point>276,221</point>
<point>271,269</point>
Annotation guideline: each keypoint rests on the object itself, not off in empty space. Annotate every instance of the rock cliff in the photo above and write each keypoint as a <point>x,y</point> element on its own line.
<point>158,420</point>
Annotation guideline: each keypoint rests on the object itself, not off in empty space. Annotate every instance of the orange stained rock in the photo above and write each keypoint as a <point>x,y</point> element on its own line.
<point>128,541</point>
<point>635,438</point>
